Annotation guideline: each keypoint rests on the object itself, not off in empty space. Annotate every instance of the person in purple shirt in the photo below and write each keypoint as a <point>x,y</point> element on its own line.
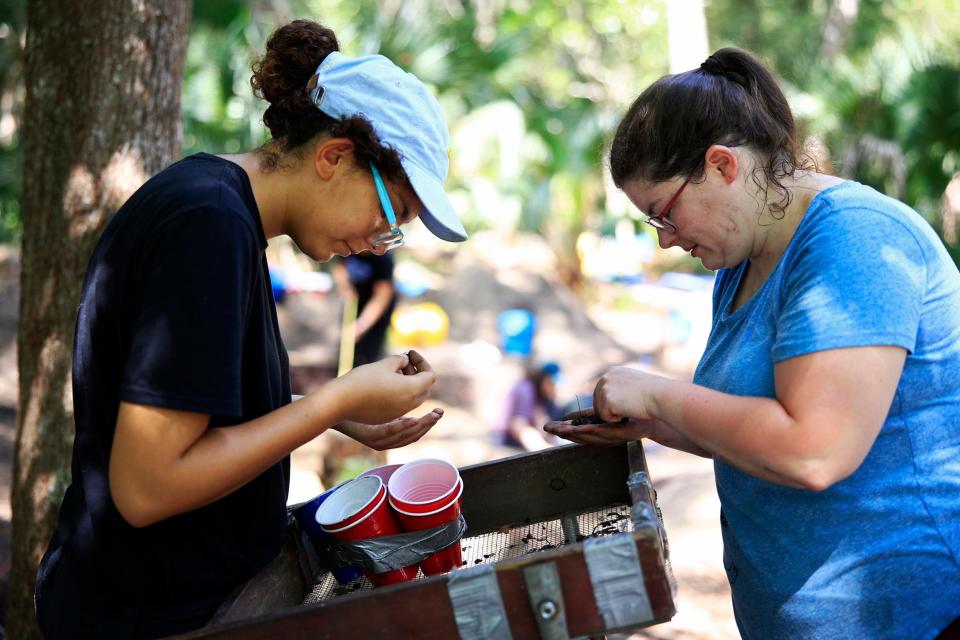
<point>828,393</point>
<point>529,404</point>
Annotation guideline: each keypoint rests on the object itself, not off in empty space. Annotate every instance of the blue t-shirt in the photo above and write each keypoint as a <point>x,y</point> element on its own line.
<point>876,555</point>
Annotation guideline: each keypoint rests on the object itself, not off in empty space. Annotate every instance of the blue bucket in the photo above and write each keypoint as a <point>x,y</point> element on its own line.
<point>306,515</point>
<point>516,327</point>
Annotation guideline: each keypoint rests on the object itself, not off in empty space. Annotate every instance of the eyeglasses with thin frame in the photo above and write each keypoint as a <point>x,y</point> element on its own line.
<point>394,237</point>
<point>660,220</point>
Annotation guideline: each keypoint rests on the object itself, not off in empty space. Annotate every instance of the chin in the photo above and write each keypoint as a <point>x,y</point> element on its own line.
<point>710,264</point>
<point>321,256</point>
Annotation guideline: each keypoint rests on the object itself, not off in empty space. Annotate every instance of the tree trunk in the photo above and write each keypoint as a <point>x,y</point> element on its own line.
<point>686,34</point>
<point>102,114</point>
<point>836,27</point>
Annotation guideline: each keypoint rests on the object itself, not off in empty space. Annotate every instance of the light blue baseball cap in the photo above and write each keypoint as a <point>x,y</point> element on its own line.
<point>405,115</point>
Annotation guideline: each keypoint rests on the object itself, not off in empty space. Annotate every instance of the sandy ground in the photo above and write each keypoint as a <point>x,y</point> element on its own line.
<point>484,277</point>
<point>481,280</point>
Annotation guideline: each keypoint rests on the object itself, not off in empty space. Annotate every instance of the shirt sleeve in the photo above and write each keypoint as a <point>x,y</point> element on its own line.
<point>187,341</point>
<point>857,279</point>
<point>522,401</point>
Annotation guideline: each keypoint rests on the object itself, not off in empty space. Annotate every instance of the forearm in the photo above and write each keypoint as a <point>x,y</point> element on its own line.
<point>667,436</point>
<point>527,434</point>
<point>232,456</point>
<point>754,434</point>
<point>219,462</point>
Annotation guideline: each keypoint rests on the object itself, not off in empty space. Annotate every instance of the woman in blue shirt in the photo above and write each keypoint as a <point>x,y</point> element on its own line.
<point>828,392</point>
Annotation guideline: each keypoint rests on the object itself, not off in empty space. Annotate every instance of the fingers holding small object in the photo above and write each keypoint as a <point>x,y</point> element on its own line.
<point>418,361</point>
<point>409,369</point>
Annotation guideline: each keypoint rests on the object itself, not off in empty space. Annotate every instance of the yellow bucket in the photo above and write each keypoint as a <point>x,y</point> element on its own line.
<point>419,325</point>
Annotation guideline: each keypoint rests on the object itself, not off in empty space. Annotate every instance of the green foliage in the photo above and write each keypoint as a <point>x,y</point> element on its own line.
<point>12,20</point>
<point>353,466</point>
<point>928,124</point>
<point>220,113</point>
<point>887,103</point>
<point>533,90</point>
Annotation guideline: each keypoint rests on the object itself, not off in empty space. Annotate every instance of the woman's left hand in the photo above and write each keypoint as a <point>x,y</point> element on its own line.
<point>392,435</point>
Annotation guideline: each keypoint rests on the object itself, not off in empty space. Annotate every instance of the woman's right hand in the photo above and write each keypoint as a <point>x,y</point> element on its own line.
<point>585,427</point>
<point>384,390</point>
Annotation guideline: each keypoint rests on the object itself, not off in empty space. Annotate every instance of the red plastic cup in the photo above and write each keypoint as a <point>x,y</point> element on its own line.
<point>424,485</point>
<point>341,520</point>
<point>306,515</point>
<point>384,472</point>
<point>449,510</point>
<point>429,506</point>
<point>355,500</point>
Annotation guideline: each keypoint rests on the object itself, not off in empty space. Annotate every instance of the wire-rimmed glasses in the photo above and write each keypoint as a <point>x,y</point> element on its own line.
<point>660,220</point>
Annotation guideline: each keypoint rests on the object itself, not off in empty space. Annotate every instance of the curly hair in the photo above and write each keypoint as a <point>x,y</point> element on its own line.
<point>280,76</point>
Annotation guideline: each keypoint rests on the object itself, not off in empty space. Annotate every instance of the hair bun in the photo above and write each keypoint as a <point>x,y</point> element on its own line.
<point>713,66</point>
<point>294,51</point>
<point>730,64</point>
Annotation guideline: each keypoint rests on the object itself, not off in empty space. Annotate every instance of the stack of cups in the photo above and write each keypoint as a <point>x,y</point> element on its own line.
<point>383,472</point>
<point>306,515</point>
<point>426,494</point>
<point>358,510</point>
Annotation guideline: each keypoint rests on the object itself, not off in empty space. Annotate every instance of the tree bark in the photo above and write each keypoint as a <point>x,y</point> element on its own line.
<point>686,34</point>
<point>102,114</point>
<point>841,15</point>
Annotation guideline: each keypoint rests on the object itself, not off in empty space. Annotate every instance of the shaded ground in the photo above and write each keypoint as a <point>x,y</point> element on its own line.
<point>483,278</point>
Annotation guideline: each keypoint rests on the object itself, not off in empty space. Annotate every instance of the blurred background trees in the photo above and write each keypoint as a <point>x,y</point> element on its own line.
<point>533,89</point>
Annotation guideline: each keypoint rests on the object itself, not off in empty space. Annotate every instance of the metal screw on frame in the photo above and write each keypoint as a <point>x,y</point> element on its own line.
<point>547,609</point>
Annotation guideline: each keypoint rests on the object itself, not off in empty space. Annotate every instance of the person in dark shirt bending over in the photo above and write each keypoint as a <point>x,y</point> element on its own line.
<point>184,419</point>
<point>366,280</point>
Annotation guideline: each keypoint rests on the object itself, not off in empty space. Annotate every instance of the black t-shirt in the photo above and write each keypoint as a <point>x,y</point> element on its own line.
<point>364,270</point>
<point>176,312</point>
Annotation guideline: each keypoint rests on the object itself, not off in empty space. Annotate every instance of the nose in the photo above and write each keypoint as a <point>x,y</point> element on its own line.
<point>667,238</point>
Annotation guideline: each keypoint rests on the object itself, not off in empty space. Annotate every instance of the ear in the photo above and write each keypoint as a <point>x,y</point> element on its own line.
<point>722,161</point>
<point>332,155</point>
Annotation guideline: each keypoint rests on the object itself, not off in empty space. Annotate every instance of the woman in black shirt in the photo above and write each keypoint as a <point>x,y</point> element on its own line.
<point>184,420</point>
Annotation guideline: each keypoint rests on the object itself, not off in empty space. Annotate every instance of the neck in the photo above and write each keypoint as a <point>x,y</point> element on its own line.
<point>270,191</point>
<point>782,225</point>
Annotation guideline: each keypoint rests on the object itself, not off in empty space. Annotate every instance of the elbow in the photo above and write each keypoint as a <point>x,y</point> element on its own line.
<point>819,474</point>
<point>816,459</point>
<point>134,507</point>
<point>817,481</point>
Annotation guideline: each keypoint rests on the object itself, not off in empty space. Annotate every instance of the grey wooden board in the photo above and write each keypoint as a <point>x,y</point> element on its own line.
<point>543,486</point>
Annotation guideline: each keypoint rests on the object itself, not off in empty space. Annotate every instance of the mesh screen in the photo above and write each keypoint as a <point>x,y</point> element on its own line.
<point>515,542</point>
